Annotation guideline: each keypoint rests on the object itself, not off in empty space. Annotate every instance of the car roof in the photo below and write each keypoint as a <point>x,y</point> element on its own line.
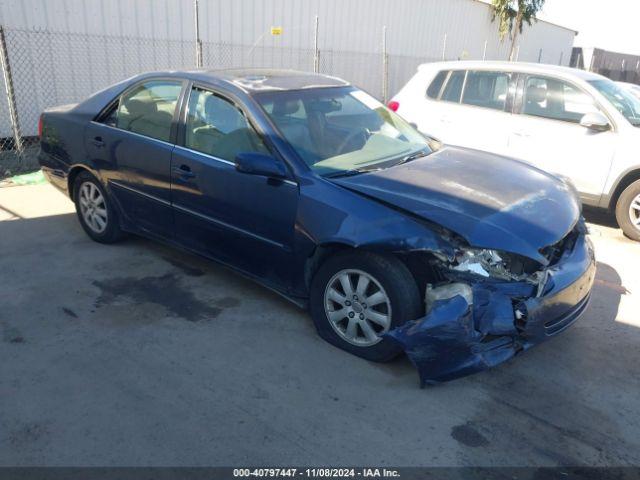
<point>628,84</point>
<point>524,67</point>
<point>256,79</point>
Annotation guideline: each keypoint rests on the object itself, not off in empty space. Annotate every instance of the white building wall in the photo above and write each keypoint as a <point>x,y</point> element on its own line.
<point>414,27</point>
<point>160,34</point>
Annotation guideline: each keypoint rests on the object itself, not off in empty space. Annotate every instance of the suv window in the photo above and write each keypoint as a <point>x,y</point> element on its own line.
<point>453,90</point>
<point>557,100</point>
<point>486,89</point>
<point>217,127</point>
<point>149,108</point>
<point>436,85</point>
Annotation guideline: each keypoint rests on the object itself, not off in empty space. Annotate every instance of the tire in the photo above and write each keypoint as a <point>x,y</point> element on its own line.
<point>386,275</point>
<point>86,185</point>
<point>628,211</point>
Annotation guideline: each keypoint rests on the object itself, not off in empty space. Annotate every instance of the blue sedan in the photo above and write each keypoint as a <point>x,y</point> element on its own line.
<point>310,186</point>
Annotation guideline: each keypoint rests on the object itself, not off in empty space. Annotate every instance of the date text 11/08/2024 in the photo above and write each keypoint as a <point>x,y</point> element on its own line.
<point>316,473</point>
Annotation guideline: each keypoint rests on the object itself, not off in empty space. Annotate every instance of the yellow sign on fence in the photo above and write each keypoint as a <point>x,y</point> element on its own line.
<point>276,30</point>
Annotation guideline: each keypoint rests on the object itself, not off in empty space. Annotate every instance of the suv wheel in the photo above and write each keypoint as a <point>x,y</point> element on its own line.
<point>95,211</point>
<point>356,297</point>
<point>628,211</point>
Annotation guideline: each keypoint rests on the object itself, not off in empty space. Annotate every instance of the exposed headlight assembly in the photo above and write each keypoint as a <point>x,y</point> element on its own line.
<point>495,264</point>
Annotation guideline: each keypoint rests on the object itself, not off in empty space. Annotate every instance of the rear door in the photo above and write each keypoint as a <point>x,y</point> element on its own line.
<point>132,144</point>
<point>547,133</point>
<point>473,109</point>
<point>241,219</point>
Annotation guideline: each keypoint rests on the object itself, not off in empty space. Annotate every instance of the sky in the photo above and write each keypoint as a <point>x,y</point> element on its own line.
<point>611,24</point>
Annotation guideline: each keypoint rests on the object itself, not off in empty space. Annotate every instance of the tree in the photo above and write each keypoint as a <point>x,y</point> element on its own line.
<point>511,15</point>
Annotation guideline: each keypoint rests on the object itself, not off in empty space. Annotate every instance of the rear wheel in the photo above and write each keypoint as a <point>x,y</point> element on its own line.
<point>358,296</point>
<point>96,213</point>
<point>628,211</point>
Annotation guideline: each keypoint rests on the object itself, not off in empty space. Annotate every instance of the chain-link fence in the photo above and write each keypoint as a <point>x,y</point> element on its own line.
<point>620,67</point>
<point>42,69</point>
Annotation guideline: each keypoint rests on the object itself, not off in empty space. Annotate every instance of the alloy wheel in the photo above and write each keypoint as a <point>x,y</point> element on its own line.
<point>634,212</point>
<point>357,307</point>
<point>93,207</point>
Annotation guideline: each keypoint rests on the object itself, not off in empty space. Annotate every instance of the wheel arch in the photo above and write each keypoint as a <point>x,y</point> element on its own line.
<point>318,257</point>
<point>622,184</point>
<point>414,260</point>
<point>73,174</point>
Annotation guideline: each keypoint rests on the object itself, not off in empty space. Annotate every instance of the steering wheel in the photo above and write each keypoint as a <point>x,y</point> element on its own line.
<point>361,132</point>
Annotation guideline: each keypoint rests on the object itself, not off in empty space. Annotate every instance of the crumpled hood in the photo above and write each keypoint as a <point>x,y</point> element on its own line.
<point>491,201</point>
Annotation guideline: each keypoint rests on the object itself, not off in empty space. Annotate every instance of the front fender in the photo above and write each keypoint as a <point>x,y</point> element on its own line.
<point>354,221</point>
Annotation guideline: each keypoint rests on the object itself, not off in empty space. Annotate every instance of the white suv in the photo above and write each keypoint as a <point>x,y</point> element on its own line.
<point>573,123</point>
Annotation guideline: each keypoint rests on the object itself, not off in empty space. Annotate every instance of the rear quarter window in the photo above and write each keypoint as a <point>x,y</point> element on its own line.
<point>453,89</point>
<point>436,84</point>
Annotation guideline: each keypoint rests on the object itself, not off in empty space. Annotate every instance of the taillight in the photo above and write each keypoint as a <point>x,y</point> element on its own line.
<point>393,105</point>
<point>40,126</point>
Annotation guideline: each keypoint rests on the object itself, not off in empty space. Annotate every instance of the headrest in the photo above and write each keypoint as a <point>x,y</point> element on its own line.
<point>222,114</point>
<point>140,107</point>
<point>536,94</point>
<point>285,107</point>
<point>215,106</point>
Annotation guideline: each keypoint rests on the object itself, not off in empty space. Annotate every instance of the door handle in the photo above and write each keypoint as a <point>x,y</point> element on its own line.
<point>184,171</point>
<point>521,134</point>
<point>97,141</point>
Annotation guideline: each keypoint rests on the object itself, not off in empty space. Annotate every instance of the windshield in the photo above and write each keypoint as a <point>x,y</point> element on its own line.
<point>343,130</point>
<point>626,103</point>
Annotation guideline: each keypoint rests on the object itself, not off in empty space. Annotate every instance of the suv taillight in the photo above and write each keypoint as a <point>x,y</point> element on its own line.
<point>393,105</point>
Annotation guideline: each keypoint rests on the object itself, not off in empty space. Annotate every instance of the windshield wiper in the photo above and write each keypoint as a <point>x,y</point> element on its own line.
<point>351,173</point>
<point>413,156</point>
<point>358,171</point>
<point>344,173</point>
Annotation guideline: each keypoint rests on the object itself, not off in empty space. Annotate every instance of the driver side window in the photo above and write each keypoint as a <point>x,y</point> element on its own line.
<point>217,127</point>
<point>556,100</point>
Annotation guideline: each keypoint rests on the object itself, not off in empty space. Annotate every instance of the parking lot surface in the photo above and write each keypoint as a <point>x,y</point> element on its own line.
<point>140,354</point>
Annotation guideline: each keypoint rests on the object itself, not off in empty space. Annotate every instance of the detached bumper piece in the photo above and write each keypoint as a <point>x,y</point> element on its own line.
<point>458,337</point>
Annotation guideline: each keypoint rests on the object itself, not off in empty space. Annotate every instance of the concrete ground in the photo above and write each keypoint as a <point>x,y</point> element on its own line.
<point>138,354</point>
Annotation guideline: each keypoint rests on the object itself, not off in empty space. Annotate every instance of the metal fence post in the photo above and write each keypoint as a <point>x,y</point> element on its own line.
<point>385,66</point>
<point>316,51</point>
<point>540,56</point>
<point>444,47</point>
<point>198,41</point>
<point>8,87</point>
<point>484,53</point>
<point>561,56</point>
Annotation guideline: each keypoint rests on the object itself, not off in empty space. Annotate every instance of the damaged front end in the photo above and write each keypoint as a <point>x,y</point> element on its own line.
<point>492,305</point>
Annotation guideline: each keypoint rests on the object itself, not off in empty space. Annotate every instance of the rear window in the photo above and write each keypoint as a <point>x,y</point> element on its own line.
<point>436,85</point>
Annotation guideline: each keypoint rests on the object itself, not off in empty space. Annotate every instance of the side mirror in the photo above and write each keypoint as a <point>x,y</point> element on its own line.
<point>260,164</point>
<point>595,121</point>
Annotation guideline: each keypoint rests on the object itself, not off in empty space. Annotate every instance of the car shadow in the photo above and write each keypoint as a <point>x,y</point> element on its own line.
<point>599,216</point>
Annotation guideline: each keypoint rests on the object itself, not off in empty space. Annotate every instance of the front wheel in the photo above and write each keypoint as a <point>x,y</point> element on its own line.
<point>358,296</point>
<point>628,211</point>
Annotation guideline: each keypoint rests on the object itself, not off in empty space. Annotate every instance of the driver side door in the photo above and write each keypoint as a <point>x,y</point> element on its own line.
<point>547,133</point>
<point>241,219</point>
